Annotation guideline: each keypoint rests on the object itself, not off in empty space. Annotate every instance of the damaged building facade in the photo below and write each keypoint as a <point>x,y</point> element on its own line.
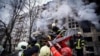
<point>91,36</point>
<point>90,33</point>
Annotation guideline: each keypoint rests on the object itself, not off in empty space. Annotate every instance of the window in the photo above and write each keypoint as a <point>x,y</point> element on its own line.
<point>69,26</point>
<point>99,38</point>
<point>90,54</point>
<point>69,19</point>
<point>90,48</point>
<point>77,25</point>
<point>72,19</point>
<point>86,30</point>
<point>73,22</point>
<point>86,26</point>
<point>73,26</point>
<point>88,39</point>
<point>98,30</point>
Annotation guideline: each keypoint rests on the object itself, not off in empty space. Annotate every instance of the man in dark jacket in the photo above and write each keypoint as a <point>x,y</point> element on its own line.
<point>54,30</point>
<point>79,43</point>
<point>34,51</point>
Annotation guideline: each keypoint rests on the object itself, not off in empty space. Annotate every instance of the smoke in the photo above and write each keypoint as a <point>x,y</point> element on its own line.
<point>76,9</point>
<point>58,10</point>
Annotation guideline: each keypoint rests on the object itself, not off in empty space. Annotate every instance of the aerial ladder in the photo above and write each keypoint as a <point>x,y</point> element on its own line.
<point>59,47</point>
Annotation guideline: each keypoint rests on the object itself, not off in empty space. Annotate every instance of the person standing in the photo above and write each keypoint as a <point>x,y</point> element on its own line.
<point>79,43</point>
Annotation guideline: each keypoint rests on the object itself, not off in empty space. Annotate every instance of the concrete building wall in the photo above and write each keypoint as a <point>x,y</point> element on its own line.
<point>92,38</point>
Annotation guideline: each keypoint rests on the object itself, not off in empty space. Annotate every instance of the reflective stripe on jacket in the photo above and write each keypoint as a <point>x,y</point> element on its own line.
<point>79,44</point>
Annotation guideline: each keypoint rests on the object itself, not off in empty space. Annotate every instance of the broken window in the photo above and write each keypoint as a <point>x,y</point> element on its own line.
<point>72,19</point>
<point>69,20</point>
<point>85,30</point>
<point>69,26</point>
<point>72,23</point>
<point>77,25</point>
<point>99,38</point>
<point>73,26</point>
<point>90,54</point>
<point>86,26</point>
<point>90,48</point>
<point>88,39</point>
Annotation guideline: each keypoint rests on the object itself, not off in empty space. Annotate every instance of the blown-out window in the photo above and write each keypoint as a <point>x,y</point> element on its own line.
<point>90,48</point>
<point>88,39</point>
<point>85,30</point>
<point>72,23</point>
<point>90,54</point>
<point>99,38</point>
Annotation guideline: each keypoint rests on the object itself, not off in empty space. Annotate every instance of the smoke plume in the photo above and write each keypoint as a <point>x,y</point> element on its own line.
<point>76,9</point>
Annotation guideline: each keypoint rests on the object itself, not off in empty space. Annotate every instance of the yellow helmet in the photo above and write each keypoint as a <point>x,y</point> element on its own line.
<point>45,51</point>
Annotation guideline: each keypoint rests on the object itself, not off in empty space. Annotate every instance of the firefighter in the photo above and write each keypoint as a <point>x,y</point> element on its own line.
<point>45,51</point>
<point>54,31</point>
<point>53,50</point>
<point>32,42</point>
<point>21,47</point>
<point>34,51</point>
<point>79,44</point>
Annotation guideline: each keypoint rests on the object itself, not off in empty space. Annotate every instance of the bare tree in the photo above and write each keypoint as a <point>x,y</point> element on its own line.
<point>17,6</point>
<point>33,12</point>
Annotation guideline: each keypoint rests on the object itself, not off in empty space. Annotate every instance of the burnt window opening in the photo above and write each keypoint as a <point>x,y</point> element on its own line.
<point>90,48</point>
<point>69,26</point>
<point>90,54</point>
<point>73,26</point>
<point>72,19</point>
<point>73,22</point>
<point>69,20</point>
<point>99,38</point>
<point>86,26</point>
<point>86,30</point>
<point>88,39</point>
<point>98,10</point>
<point>77,25</point>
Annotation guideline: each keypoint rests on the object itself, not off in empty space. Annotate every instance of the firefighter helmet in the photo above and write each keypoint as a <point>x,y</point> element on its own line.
<point>79,33</point>
<point>22,46</point>
<point>45,51</point>
<point>53,24</point>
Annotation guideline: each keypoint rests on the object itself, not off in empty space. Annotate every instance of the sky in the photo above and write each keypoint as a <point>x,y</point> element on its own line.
<point>41,2</point>
<point>4,14</point>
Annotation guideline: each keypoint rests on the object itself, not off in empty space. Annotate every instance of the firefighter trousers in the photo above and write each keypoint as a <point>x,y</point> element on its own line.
<point>79,52</point>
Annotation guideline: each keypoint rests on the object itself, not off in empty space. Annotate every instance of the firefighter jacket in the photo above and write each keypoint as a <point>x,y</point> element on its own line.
<point>79,42</point>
